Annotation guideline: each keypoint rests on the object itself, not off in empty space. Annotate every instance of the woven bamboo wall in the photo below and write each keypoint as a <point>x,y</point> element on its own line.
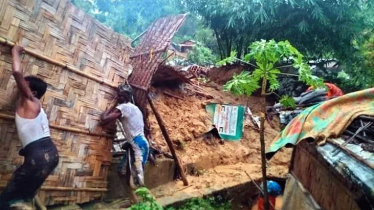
<point>147,56</point>
<point>74,101</point>
<point>329,189</point>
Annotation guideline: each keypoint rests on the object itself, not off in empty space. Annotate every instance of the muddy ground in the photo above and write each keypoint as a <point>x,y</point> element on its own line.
<point>215,166</point>
<point>186,119</point>
<point>210,167</point>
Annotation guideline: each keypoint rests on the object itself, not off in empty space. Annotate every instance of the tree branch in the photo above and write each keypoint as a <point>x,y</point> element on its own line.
<point>268,94</point>
<point>246,62</point>
<point>288,74</point>
<point>290,65</point>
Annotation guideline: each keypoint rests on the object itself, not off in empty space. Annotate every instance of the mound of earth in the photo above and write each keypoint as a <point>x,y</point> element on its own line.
<point>186,119</point>
<point>209,167</point>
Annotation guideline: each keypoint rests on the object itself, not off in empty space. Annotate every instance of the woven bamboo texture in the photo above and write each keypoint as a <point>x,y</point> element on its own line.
<point>329,189</point>
<point>75,52</point>
<point>146,57</point>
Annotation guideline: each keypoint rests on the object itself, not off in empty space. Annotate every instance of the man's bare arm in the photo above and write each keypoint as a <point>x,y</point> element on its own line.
<point>18,73</point>
<point>110,116</point>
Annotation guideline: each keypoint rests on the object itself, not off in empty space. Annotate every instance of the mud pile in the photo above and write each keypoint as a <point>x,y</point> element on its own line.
<point>186,119</point>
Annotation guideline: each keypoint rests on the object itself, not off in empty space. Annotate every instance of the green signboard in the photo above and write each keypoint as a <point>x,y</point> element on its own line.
<point>228,119</point>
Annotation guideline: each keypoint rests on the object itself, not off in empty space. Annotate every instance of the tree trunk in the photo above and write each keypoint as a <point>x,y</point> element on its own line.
<point>239,47</point>
<point>262,140</point>
<point>227,47</point>
<point>219,43</point>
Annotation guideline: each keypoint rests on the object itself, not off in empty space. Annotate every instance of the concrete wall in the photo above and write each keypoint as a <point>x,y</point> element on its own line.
<point>155,176</point>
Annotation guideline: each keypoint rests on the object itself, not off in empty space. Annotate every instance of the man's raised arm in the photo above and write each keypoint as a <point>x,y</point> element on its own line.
<point>18,73</point>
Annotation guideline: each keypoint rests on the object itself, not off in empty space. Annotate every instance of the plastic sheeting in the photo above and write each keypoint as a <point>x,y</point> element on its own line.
<point>325,120</point>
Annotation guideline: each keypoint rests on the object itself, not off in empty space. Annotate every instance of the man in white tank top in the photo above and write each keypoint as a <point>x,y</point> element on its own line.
<point>132,122</point>
<point>40,154</point>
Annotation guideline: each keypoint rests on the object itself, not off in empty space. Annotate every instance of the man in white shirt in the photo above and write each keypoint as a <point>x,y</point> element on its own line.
<point>40,153</point>
<point>132,122</point>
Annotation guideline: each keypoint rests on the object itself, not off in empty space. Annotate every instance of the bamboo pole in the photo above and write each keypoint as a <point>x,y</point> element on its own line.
<point>61,64</point>
<point>361,159</point>
<point>53,188</point>
<point>168,141</point>
<point>140,35</point>
<point>64,128</point>
<point>148,52</point>
<point>167,57</point>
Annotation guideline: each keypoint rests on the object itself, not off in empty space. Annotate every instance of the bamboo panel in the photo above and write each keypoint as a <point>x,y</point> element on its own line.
<point>81,60</point>
<point>146,57</point>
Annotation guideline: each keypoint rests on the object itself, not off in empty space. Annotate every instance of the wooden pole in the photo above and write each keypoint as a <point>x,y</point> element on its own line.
<point>168,141</point>
<point>61,64</point>
<point>259,188</point>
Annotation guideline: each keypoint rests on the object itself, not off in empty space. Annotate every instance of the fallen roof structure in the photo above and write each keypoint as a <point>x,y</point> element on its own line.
<point>333,161</point>
<point>169,75</point>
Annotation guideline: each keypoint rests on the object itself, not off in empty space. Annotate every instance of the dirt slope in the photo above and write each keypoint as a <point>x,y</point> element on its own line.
<point>187,119</point>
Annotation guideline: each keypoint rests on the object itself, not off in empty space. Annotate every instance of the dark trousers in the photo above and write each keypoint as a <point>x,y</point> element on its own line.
<point>41,158</point>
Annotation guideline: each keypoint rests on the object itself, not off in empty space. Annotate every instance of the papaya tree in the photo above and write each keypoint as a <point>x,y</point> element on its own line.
<point>267,58</point>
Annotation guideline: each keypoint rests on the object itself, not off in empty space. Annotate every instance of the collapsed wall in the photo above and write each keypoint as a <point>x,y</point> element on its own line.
<point>82,61</point>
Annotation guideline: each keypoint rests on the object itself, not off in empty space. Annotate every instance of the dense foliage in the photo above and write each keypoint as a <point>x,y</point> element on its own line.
<point>202,56</point>
<point>316,27</point>
<point>368,52</point>
<point>210,203</point>
<point>268,56</point>
<point>147,202</point>
<point>130,17</point>
<point>321,29</point>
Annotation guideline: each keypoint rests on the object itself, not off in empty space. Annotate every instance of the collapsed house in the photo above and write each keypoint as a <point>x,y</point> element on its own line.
<point>332,165</point>
<point>83,62</point>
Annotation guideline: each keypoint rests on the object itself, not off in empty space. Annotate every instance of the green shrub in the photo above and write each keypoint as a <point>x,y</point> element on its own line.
<point>210,203</point>
<point>201,55</point>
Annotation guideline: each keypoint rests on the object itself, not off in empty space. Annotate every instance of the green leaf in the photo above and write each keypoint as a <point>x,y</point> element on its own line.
<point>228,60</point>
<point>242,84</point>
<point>247,58</point>
<point>141,191</point>
<point>288,102</point>
<point>147,203</point>
<point>266,54</point>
